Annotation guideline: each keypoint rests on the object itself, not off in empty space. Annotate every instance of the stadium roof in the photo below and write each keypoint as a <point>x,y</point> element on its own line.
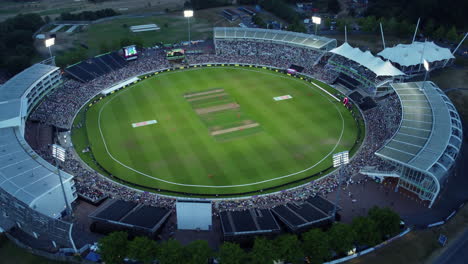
<point>23,173</point>
<point>366,59</point>
<point>279,36</point>
<point>412,54</point>
<point>20,83</point>
<point>12,91</point>
<point>430,132</point>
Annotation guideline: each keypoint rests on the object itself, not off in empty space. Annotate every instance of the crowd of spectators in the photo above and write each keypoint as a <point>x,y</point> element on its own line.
<point>366,77</point>
<point>60,107</point>
<point>259,53</point>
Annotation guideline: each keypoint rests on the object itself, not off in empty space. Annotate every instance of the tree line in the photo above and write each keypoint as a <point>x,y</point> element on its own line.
<point>401,28</point>
<point>16,43</point>
<point>88,15</point>
<point>446,13</point>
<point>313,246</point>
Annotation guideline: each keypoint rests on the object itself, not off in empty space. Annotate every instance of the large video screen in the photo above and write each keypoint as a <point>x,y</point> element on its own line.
<point>130,51</point>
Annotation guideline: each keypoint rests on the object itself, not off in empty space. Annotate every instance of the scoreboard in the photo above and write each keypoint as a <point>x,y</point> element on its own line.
<point>130,52</point>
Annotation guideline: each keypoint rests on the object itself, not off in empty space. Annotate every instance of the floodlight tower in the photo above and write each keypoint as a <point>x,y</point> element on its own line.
<point>188,14</point>
<point>426,66</point>
<point>317,21</point>
<point>59,154</point>
<point>339,160</point>
<point>49,43</point>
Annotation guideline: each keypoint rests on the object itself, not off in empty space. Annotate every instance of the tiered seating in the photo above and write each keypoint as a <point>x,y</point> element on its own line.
<point>321,203</point>
<point>109,62</point>
<point>347,81</point>
<point>122,215</point>
<point>248,222</point>
<point>86,71</point>
<point>314,211</point>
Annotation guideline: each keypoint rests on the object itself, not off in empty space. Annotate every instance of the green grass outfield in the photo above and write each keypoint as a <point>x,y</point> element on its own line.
<point>296,139</point>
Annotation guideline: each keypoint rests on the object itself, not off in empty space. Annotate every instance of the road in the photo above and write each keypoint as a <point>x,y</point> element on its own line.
<point>457,253</point>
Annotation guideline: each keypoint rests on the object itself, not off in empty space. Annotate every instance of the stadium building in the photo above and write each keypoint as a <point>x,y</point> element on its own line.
<point>409,57</point>
<point>31,196</point>
<point>274,36</point>
<point>425,148</point>
<point>368,73</point>
<point>421,154</point>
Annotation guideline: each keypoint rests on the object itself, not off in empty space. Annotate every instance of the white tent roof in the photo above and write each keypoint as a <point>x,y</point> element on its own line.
<point>411,54</point>
<point>366,59</point>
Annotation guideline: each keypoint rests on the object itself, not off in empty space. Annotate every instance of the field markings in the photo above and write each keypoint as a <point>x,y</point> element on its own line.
<point>206,97</point>
<point>232,129</point>
<point>203,93</point>
<point>216,108</point>
<point>234,185</point>
<point>144,123</point>
<point>281,98</point>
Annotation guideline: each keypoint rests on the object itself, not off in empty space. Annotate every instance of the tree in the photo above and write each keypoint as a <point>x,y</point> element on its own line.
<point>366,231</point>
<point>259,21</point>
<point>327,22</point>
<point>142,249</point>
<point>334,6</point>
<point>369,24</point>
<point>388,222</point>
<point>392,25</point>
<point>429,27</point>
<point>198,252</point>
<point>288,248</point>
<point>297,26</point>
<point>439,33</point>
<point>262,251</point>
<point>316,245</point>
<point>170,252</point>
<point>452,34</point>
<point>341,237</point>
<point>231,253</point>
<point>404,29</point>
<point>114,247</point>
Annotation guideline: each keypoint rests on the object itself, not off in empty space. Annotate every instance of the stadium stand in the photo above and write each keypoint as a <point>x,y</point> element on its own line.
<point>299,215</point>
<point>407,57</point>
<point>359,69</point>
<point>274,36</point>
<point>88,70</point>
<point>238,224</point>
<point>322,204</point>
<point>125,215</point>
<point>426,145</point>
<point>367,103</point>
<point>30,190</point>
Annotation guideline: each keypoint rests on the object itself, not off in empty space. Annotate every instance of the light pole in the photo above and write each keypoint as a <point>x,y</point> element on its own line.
<point>59,154</point>
<point>317,21</point>
<point>188,14</point>
<point>49,43</point>
<point>339,160</point>
<point>426,66</point>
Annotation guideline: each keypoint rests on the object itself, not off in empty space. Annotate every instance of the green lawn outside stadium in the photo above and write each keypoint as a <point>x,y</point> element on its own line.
<point>293,135</point>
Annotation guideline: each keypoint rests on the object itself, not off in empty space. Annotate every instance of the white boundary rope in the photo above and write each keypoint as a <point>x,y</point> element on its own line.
<point>237,185</point>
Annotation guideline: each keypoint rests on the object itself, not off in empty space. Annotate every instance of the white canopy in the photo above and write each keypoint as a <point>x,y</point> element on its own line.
<point>412,54</point>
<point>366,59</point>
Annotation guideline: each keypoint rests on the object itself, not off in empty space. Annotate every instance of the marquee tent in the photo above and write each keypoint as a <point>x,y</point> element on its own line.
<point>366,59</point>
<point>412,54</point>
